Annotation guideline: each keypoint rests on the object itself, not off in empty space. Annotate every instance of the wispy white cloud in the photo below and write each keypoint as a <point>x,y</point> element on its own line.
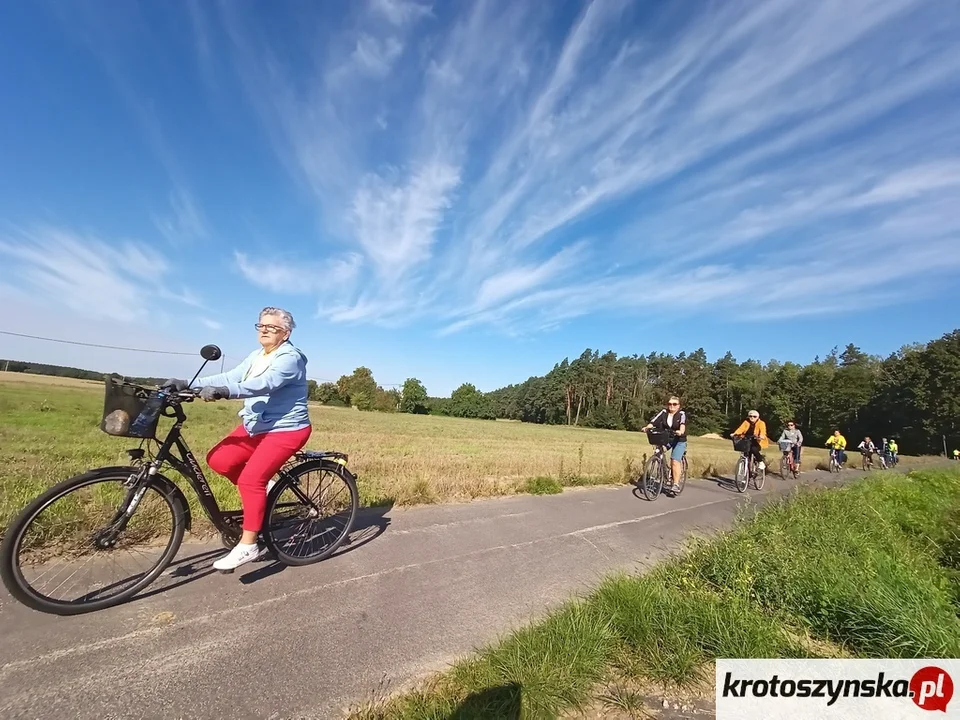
<point>185,221</point>
<point>92,277</point>
<point>290,277</point>
<point>691,144</point>
<point>399,12</point>
<point>376,56</point>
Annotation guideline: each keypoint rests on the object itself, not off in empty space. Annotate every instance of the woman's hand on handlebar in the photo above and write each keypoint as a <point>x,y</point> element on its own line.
<point>209,394</point>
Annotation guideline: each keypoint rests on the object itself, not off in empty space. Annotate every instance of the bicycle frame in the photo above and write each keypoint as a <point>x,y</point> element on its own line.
<point>788,455</point>
<point>835,456</point>
<point>190,469</point>
<point>226,521</point>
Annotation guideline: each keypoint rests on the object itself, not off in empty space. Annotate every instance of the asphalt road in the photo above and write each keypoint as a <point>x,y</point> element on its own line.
<point>415,590</point>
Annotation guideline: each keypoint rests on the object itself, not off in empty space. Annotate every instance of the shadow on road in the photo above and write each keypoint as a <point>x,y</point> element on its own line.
<point>727,483</point>
<point>369,524</point>
<point>503,702</point>
<point>181,572</point>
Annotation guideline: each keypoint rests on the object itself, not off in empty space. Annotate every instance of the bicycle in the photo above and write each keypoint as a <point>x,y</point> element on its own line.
<point>658,470</point>
<point>866,460</point>
<point>835,465</point>
<point>126,503</point>
<point>746,470</point>
<point>787,462</point>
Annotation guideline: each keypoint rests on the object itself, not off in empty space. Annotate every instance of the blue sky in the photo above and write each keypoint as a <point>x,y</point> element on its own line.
<point>472,191</point>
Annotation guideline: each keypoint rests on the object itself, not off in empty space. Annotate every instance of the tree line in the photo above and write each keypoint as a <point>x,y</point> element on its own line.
<point>32,368</point>
<point>913,394</point>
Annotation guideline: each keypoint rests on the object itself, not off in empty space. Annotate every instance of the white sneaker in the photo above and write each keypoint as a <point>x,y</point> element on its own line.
<point>761,466</point>
<point>240,555</point>
<point>270,486</point>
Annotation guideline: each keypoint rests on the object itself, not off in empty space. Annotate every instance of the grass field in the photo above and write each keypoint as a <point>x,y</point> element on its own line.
<point>869,570</point>
<point>49,431</point>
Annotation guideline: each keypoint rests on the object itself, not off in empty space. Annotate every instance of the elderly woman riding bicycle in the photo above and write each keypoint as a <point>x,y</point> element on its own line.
<point>275,424</point>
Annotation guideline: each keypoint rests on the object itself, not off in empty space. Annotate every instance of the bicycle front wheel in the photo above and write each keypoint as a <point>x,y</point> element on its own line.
<point>652,481</point>
<point>741,474</point>
<point>758,478</point>
<point>784,467</point>
<point>310,512</point>
<point>74,549</point>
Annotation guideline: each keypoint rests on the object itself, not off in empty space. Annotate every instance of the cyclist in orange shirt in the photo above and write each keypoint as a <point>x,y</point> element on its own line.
<point>755,430</point>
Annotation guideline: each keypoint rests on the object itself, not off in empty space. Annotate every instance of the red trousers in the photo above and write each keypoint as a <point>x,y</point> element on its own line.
<point>250,462</point>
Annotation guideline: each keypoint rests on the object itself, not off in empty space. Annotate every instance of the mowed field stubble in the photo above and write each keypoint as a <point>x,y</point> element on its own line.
<point>49,430</point>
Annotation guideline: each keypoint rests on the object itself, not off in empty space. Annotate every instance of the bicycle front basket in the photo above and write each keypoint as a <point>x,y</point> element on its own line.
<point>659,437</point>
<point>122,406</point>
<point>785,445</point>
<point>741,444</point>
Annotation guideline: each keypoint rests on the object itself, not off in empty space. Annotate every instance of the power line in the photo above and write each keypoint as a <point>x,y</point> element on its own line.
<point>129,349</point>
<point>95,345</point>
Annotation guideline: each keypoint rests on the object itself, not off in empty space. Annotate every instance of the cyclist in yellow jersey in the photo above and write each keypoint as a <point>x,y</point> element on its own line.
<point>838,442</point>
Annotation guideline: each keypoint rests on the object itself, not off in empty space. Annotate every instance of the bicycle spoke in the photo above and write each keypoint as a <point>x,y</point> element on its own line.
<point>318,517</point>
<point>59,557</point>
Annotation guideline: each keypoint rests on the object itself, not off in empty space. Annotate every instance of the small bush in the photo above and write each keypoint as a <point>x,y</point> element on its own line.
<point>542,486</point>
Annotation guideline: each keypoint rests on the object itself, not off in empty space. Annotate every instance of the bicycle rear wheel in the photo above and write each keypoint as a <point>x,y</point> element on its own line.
<point>740,476</point>
<point>652,481</point>
<point>77,531</point>
<point>310,512</point>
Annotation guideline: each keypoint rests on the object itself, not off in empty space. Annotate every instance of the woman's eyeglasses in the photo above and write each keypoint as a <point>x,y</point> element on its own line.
<point>268,328</point>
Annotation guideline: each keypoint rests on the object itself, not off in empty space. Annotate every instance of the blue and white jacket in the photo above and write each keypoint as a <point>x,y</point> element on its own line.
<point>275,399</point>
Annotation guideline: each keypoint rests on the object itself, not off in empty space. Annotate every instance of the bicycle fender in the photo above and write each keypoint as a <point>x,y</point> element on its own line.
<point>336,466</point>
<point>165,484</point>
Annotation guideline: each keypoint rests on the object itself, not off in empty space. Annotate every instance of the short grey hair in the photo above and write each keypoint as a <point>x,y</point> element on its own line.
<point>285,317</point>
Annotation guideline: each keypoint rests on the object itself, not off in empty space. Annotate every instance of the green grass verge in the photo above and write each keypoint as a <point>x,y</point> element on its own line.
<point>866,570</point>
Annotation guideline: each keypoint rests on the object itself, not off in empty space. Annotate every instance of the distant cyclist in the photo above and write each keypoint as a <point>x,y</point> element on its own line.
<point>755,430</point>
<point>791,433</point>
<point>867,449</point>
<point>674,420</point>
<point>894,449</point>
<point>838,443</point>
